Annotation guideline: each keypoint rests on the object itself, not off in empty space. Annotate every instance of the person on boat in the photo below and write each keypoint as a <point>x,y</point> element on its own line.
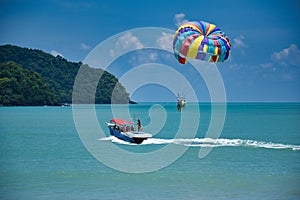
<point>131,128</point>
<point>179,105</point>
<point>140,128</point>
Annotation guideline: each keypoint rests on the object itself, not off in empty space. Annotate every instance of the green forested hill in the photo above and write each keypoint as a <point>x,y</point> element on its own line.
<point>57,73</point>
<point>22,87</point>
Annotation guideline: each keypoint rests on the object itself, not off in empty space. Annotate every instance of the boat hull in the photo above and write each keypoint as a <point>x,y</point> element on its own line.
<point>125,137</point>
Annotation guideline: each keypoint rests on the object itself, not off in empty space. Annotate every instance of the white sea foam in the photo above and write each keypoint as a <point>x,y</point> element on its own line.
<point>116,140</point>
<point>209,142</point>
<point>107,138</point>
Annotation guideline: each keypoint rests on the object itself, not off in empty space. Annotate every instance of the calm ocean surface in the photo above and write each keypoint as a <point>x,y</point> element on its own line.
<point>256,157</point>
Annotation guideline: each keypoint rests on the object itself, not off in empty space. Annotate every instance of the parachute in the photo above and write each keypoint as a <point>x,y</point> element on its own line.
<point>201,40</point>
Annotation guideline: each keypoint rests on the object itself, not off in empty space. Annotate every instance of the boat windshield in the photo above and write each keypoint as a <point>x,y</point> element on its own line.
<point>123,125</point>
<point>125,128</point>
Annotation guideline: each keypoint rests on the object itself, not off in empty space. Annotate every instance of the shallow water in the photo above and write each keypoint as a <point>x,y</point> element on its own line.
<point>257,155</point>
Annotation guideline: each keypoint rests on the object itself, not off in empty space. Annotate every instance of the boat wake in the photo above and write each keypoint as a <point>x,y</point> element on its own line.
<point>208,142</point>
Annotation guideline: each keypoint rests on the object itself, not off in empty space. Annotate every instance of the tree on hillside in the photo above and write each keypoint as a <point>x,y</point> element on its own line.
<point>60,74</point>
<point>22,87</point>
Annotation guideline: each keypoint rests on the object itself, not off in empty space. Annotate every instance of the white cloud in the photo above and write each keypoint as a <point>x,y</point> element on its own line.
<point>180,19</point>
<point>55,53</point>
<point>112,52</point>
<point>288,56</point>
<point>165,41</point>
<point>144,56</point>
<point>153,56</point>
<point>267,65</point>
<point>84,46</point>
<point>126,41</point>
<point>284,64</point>
<point>239,42</point>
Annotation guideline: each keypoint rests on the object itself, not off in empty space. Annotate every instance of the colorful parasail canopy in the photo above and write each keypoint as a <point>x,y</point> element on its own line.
<point>200,40</point>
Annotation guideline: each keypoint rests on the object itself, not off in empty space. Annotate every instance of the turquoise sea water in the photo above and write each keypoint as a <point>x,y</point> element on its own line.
<point>256,157</point>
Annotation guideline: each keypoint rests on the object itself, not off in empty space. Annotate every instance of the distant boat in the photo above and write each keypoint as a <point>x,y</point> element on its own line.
<point>127,131</point>
<point>65,104</point>
<point>132,102</point>
<point>181,102</point>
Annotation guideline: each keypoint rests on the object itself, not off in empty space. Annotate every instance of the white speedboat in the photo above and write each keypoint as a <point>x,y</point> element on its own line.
<point>127,131</point>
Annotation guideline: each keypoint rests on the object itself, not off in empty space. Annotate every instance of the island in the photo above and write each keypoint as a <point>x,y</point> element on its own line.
<point>31,77</point>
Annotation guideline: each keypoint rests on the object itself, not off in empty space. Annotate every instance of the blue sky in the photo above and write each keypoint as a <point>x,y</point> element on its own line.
<point>265,59</point>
